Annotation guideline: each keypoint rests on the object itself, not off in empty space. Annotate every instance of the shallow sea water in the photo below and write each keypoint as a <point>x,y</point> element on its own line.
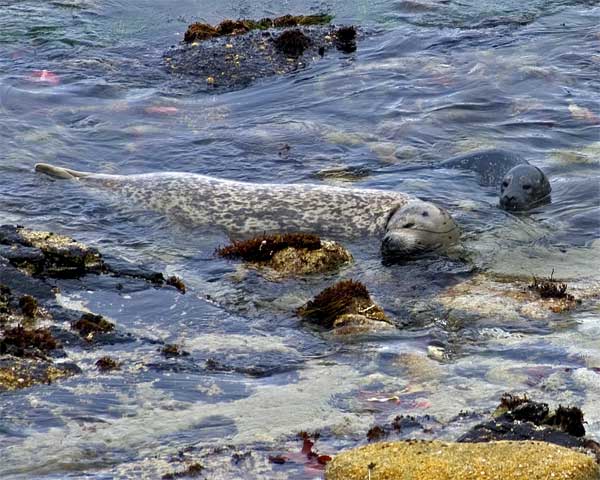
<point>430,79</point>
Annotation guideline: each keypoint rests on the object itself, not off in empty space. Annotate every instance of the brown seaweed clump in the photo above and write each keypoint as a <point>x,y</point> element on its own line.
<point>550,288</point>
<point>23,342</point>
<point>176,282</point>
<point>89,325</point>
<point>171,350</point>
<point>198,32</point>
<point>262,249</point>
<point>556,292</point>
<point>107,364</point>
<point>376,433</point>
<point>4,302</point>
<point>345,39</point>
<point>193,470</point>
<point>292,43</point>
<point>28,305</point>
<point>343,305</point>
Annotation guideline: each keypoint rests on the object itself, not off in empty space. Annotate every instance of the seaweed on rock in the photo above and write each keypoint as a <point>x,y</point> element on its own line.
<point>107,364</point>
<point>346,300</point>
<point>90,325</point>
<point>262,249</point>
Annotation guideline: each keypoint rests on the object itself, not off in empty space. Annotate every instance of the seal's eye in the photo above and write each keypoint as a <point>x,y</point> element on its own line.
<point>527,187</point>
<point>408,225</point>
<point>505,184</point>
<point>425,214</point>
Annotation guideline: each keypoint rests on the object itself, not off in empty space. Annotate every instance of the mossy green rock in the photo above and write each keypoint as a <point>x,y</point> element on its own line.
<point>434,460</point>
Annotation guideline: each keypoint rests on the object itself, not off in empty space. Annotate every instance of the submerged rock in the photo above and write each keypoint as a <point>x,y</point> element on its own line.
<point>289,254</point>
<point>30,263</point>
<point>345,307</point>
<point>235,53</point>
<point>512,297</point>
<point>434,460</point>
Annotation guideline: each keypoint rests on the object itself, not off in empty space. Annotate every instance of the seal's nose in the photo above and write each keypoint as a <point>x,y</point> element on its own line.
<point>508,202</point>
<point>385,245</point>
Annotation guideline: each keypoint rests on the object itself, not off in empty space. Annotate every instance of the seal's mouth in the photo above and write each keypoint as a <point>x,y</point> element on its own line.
<point>401,246</point>
<point>511,204</point>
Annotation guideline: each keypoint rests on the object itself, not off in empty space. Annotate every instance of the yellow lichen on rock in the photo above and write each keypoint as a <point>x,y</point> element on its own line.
<point>434,460</point>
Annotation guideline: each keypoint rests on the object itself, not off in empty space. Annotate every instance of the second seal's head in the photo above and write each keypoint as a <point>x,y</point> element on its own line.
<point>524,187</point>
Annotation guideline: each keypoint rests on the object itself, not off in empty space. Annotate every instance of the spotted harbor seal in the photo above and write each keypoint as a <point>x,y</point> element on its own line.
<point>522,186</point>
<point>407,226</point>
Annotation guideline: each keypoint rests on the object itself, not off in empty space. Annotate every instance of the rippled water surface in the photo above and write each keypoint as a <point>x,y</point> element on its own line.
<point>430,79</point>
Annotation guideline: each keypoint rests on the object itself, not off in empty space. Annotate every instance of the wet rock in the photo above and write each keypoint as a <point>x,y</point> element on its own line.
<point>510,297</point>
<point>432,460</point>
<point>348,174</point>
<point>17,373</point>
<point>47,253</point>
<point>290,254</point>
<point>234,54</point>
<point>519,418</point>
<point>346,305</point>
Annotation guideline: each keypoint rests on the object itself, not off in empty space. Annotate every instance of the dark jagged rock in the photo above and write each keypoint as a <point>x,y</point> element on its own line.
<point>519,418</point>
<point>46,253</point>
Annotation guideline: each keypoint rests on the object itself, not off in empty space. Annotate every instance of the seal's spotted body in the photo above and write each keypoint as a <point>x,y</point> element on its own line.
<point>246,209</point>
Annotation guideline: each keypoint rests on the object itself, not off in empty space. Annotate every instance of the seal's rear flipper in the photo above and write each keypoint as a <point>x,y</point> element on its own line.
<point>59,172</point>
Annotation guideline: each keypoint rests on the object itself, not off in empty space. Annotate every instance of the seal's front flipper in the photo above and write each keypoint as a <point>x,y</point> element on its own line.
<point>59,172</point>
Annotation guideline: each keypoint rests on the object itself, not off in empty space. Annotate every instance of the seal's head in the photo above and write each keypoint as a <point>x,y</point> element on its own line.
<point>524,187</point>
<point>416,228</point>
